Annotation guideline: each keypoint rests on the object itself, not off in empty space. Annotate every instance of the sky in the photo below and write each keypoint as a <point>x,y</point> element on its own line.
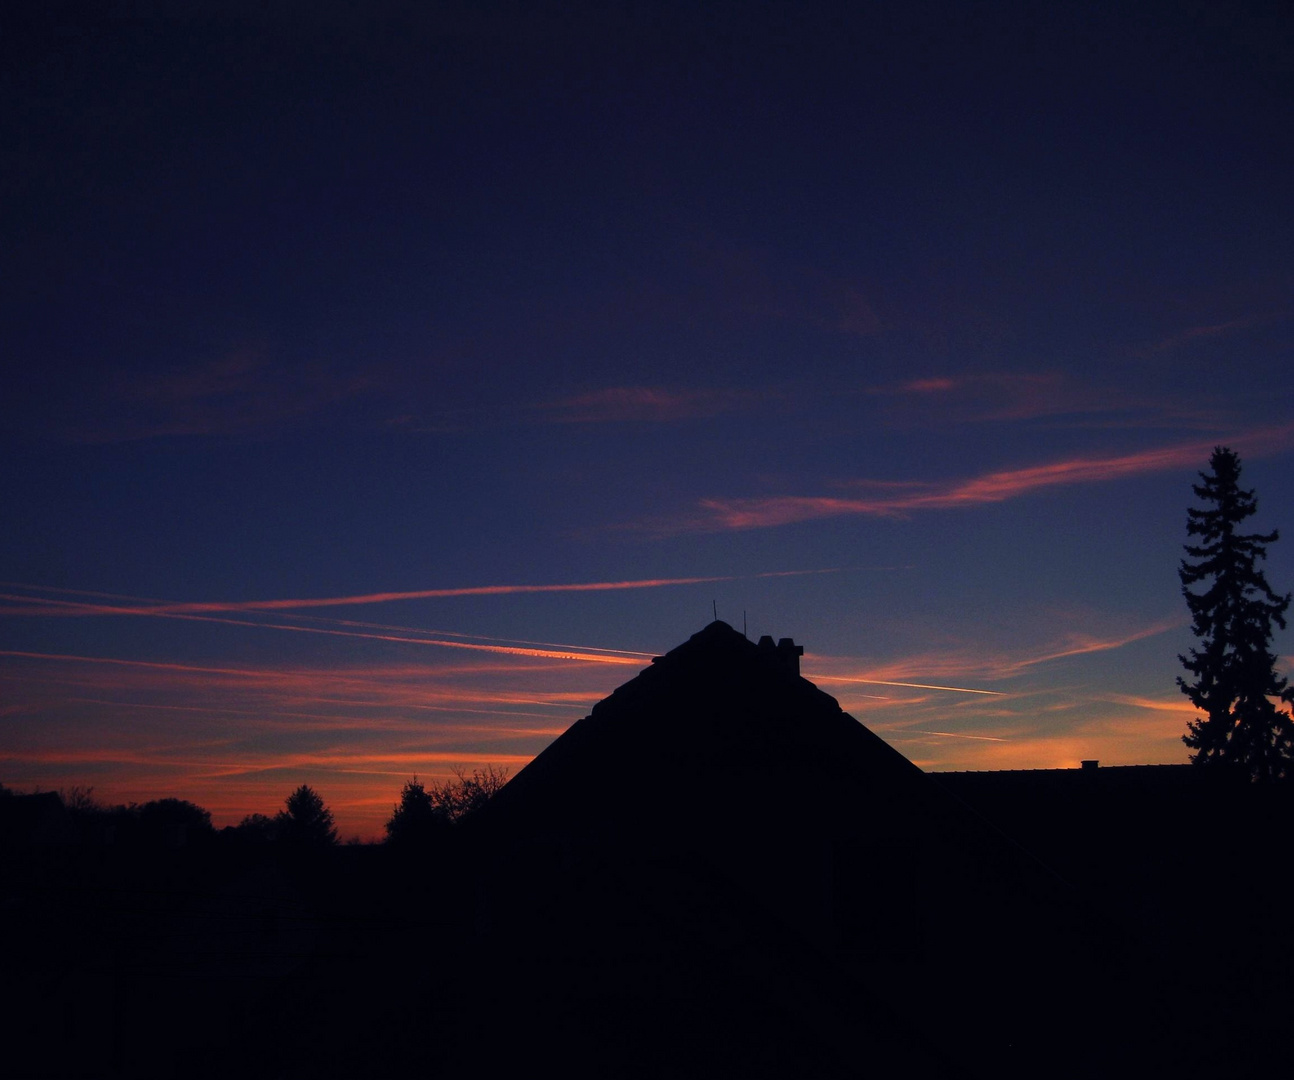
<point>384,384</point>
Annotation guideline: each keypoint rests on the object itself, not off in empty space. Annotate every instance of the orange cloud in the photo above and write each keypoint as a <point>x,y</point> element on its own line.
<point>1177,704</point>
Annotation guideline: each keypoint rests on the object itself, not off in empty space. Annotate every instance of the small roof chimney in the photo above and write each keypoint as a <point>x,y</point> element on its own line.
<point>786,653</point>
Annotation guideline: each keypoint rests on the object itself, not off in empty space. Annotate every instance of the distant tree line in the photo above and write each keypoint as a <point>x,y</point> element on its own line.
<point>75,815</point>
<point>424,813</point>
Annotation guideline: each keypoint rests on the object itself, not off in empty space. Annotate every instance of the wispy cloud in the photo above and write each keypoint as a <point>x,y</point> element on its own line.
<point>1080,644</point>
<point>1205,331</point>
<point>1057,398</point>
<point>1176,704</point>
<point>1049,729</point>
<point>949,669</point>
<point>901,500</point>
<point>1046,712</point>
<point>407,636</point>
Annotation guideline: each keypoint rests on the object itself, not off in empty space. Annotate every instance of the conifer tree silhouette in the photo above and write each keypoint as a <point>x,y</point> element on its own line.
<point>306,821</point>
<point>417,818</point>
<point>1235,678</point>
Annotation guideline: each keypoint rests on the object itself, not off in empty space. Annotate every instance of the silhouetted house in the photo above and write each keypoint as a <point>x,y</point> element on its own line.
<point>720,849</point>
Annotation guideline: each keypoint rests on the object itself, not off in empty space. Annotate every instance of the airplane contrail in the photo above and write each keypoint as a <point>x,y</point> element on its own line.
<point>913,685</point>
<point>957,735</point>
<point>141,606</point>
<point>422,636</point>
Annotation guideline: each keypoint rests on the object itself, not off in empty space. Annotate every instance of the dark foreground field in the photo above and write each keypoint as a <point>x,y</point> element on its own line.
<point>225,959</point>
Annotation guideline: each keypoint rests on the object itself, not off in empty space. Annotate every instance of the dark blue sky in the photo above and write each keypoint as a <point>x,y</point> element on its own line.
<point>340,300</point>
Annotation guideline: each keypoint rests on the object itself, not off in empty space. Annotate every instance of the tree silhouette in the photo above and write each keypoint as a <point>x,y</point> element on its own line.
<point>174,822</point>
<point>464,795</point>
<point>1235,676</point>
<point>424,810</point>
<point>417,818</point>
<point>306,821</point>
<point>255,829</point>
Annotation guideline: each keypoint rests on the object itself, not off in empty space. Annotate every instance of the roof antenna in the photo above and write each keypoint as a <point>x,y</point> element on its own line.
<point>715,605</point>
<point>743,625</point>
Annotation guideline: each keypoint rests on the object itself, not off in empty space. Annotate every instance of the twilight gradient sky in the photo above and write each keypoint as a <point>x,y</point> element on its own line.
<point>512,336</point>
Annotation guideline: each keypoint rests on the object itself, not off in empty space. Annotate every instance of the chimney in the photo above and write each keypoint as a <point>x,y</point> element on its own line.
<point>786,653</point>
<point>789,653</point>
<point>1090,764</point>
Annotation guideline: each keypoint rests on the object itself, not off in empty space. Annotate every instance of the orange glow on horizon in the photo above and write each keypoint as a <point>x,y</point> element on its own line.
<point>236,738</point>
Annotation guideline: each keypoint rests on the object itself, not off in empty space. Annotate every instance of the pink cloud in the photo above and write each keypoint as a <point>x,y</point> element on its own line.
<point>993,487</point>
<point>995,397</point>
<point>936,401</point>
<point>1173,342</point>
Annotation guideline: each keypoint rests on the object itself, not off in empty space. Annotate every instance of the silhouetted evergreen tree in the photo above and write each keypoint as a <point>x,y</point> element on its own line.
<point>417,819</point>
<point>306,821</point>
<point>1235,675</point>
